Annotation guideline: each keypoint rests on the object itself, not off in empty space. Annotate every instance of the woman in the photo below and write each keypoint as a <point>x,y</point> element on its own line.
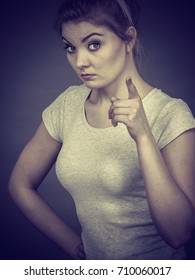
<point>124,149</point>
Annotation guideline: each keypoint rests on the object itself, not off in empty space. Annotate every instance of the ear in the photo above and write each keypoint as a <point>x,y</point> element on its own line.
<point>131,38</point>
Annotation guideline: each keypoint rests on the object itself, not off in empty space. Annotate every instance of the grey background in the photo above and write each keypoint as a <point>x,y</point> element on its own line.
<point>34,71</point>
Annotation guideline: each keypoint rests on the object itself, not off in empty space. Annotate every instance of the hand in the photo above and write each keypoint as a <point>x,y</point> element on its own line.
<point>80,252</point>
<point>130,112</point>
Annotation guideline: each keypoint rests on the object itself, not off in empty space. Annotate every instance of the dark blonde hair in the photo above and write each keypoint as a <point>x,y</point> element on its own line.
<point>117,15</point>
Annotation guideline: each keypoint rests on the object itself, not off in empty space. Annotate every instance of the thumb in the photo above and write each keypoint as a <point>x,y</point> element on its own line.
<point>133,94</point>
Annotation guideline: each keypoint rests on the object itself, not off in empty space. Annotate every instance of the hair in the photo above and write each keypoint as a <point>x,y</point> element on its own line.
<point>117,15</point>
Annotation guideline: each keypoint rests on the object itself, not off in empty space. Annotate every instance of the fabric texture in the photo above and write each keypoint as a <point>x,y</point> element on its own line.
<point>100,169</point>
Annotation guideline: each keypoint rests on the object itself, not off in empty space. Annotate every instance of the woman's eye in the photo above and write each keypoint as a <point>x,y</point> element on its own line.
<point>94,46</point>
<point>69,49</point>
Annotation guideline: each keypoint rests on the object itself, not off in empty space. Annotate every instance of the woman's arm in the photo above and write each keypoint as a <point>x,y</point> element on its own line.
<point>169,176</point>
<point>169,180</point>
<point>30,169</point>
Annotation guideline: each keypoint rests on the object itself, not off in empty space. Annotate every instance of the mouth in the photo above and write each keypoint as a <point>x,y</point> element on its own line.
<point>87,76</point>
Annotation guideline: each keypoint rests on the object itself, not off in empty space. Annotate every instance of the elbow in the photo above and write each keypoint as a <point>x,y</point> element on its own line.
<point>178,241</point>
<point>12,189</point>
<point>15,188</point>
<point>180,233</point>
<point>20,189</point>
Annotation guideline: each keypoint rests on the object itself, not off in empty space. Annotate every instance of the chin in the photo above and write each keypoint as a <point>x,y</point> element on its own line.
<point>95,84</point>
<point>92,84</point>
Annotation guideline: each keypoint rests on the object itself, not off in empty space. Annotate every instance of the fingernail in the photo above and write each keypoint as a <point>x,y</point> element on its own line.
<point>129,80</point>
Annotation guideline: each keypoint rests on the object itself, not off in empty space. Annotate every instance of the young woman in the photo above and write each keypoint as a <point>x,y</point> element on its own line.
<point>124,150</point>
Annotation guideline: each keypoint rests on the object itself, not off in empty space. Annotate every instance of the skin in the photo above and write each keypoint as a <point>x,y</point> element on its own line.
<point>168,174</point>
<point>98,55</point>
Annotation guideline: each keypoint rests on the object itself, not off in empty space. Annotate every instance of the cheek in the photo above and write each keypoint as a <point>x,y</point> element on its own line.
<point>114,58</point>
<point>71,61</point>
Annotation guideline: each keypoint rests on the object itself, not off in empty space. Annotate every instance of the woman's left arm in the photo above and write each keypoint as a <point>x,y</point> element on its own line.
<point>169,178</point>
<point>169,174</point>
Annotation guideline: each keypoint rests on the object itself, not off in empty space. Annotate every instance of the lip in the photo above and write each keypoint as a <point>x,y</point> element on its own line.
<point>88,76</point>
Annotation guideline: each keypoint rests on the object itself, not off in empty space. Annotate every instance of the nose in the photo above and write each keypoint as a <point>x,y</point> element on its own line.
<point>82,60</point>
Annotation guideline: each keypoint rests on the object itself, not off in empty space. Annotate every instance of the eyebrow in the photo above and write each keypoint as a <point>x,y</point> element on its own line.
<point>87,37</point>
<point>90,35</point>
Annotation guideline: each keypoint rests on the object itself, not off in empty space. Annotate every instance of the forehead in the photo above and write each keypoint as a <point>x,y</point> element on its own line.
<point>77,31</point>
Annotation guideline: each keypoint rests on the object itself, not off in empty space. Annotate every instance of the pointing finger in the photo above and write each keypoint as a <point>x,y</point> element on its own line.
<point>133,94</point>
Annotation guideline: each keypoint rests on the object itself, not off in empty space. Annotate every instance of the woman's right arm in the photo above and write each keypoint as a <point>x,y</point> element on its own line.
<point>32,166</point>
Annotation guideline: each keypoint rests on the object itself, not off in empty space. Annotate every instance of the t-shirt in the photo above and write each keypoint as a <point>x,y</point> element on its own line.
<point>100,169</point>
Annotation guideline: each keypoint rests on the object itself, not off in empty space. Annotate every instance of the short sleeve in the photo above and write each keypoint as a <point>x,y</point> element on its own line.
<point>53,117</point>
<point>173,120</point>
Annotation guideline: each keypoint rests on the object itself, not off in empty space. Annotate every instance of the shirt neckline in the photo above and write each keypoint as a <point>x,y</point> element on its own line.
<point>109,128</point>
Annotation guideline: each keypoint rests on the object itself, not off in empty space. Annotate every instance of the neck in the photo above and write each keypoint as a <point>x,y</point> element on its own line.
<point>119,89</point>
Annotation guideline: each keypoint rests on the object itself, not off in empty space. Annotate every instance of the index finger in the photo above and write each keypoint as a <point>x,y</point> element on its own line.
<point>133,93</point>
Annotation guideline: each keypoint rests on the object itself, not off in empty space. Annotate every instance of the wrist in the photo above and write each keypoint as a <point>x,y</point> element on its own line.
<point>144,138</point>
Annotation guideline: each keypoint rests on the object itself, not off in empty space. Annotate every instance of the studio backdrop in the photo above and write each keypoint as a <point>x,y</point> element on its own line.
<point>34,71</point>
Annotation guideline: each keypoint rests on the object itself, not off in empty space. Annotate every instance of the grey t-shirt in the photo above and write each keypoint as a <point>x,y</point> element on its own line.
<point>100,169</point>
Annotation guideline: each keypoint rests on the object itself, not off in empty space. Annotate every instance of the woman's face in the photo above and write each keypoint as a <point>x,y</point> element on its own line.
<point>97,55</point>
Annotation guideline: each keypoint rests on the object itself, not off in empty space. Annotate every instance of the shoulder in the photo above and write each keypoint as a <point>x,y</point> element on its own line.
<point>62,109</point>
<point>160,100</point>
<point>74,98</point>
<point>168,117</point>
<point>158,103</point>
<point>72,95</point>
<point>77,91</point>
